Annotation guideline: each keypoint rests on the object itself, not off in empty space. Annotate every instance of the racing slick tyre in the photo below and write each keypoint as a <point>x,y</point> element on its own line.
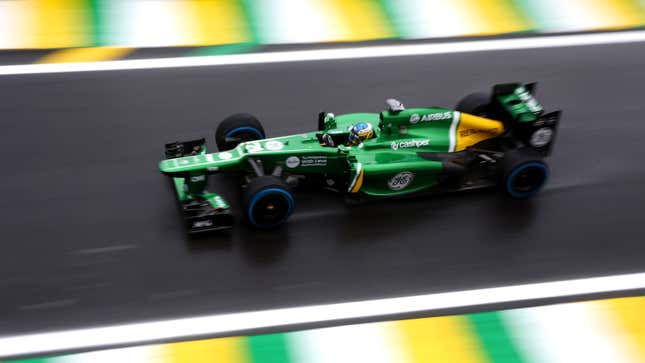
<point>477,104</point>
<point>236,129</point>
<point>267,202</point>
<point>522,173</point>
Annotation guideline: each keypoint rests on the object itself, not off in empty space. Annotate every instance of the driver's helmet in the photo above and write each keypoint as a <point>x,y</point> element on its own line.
<point>360,132</point>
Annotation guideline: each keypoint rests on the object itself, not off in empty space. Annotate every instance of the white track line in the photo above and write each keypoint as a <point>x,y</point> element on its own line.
<point>337,53</point>
<point>128,334</point>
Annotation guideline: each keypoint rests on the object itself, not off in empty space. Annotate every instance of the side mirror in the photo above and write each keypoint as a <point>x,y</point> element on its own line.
<point>326,121</point>
<point>394,106</point>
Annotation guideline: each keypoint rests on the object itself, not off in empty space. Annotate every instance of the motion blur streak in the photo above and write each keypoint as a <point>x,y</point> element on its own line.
<point>237,322</point>
<point>225,350</point>
<point>172,23</point>
<point>629,315</point>
<point>91,54</point>
<point>43,24</point>
<point>338,53</point>
<point>577,340</point>
<point>457,344</point>
<point>593,333</point>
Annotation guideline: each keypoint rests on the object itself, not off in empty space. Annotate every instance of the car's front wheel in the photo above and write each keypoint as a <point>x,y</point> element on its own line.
<point>236,129</point>
<point>267,202</point>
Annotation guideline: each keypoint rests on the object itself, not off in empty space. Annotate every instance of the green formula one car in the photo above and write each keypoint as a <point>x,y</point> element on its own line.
<point>491,139</point>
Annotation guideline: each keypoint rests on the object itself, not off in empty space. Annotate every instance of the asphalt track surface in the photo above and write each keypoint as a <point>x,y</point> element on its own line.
<point>90,233</point>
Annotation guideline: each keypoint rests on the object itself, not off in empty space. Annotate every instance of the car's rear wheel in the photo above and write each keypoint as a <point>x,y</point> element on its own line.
<point>477,104</point>
<point>236,129</point>
<point>523,173</point>
<point>267,202</point>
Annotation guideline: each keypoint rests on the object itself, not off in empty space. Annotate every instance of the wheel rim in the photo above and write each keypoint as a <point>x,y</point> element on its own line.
<point>270,207</point>
<point>527,179</point>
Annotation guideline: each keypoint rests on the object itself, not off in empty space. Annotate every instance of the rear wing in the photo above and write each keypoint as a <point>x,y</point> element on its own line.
<point>524,116</point>
<point>517,102</point>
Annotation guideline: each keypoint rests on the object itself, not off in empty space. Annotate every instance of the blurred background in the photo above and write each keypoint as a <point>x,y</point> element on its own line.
<point>239,25</point>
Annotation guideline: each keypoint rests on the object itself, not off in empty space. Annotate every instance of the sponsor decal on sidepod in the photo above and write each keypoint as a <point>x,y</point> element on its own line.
<point>292,162</point>
<point>409,144</point>
<point>400,180</point>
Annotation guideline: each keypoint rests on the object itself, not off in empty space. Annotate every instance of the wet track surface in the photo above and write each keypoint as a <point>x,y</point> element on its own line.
<point>91,234</point>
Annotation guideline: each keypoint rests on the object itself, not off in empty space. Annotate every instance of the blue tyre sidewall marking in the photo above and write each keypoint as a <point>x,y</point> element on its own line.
<point>517,170</point>
<point>259,195</point>
<point>245,128</point>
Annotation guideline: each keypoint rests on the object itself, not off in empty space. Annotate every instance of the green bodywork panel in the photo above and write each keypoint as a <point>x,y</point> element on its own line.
<point>183,194</point>
<point>193,186</point>
<point>521,105</point>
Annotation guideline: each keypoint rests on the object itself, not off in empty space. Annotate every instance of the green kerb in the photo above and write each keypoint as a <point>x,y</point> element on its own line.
<point>31,360</point>
<point>271,348</point>
<point>388,8</point>
<point>95,23</point>
<point>235,48</point>
<point>249,9</point>
<point>494,338</point>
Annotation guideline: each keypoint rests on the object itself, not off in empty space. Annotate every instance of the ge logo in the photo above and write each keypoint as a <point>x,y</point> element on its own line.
<point>414,118</point>
<point>400,180</point>
<point>394,145</point>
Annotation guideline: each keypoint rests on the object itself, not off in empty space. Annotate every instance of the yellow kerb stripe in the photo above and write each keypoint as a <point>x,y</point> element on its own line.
<point>57,24</point>
<point>94,54</point>
<point>220,350</point>
<point>441,339</point>
<point>214,22</point>
<point>473,129</point>
<point>491,16</point>
<point>359,19</point>
<point>617,13</point>
<point>629,315</point>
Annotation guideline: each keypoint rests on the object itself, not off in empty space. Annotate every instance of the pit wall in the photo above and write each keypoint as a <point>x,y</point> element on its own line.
<point>55,24</point>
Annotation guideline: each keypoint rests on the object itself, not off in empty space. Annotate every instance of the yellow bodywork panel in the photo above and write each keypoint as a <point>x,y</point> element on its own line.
<point>473,129</point>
